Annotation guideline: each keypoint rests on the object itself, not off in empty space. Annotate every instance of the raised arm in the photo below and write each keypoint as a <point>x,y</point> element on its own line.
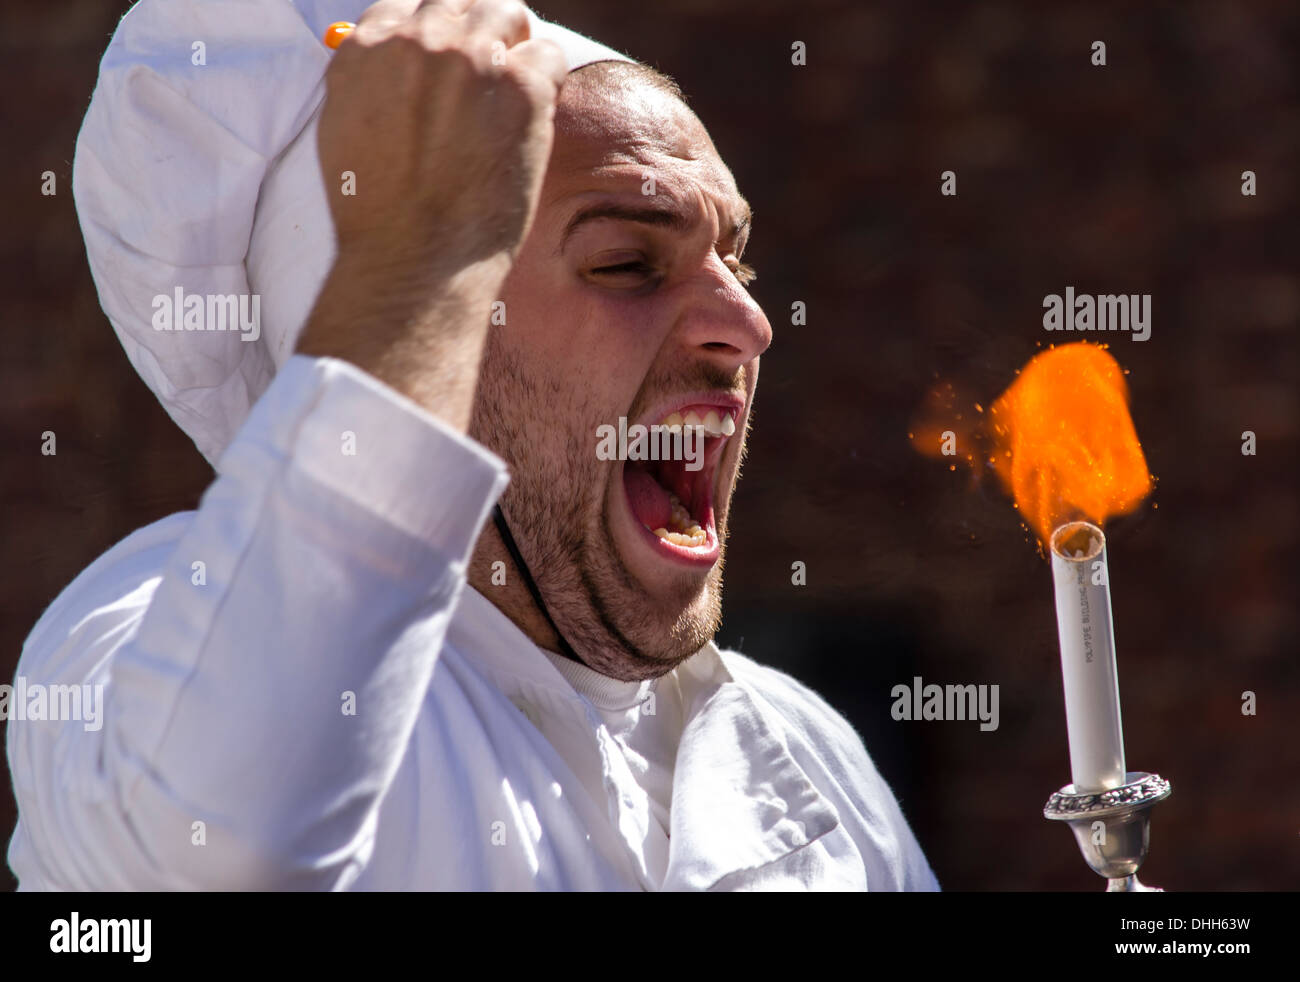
<point>263,660</point>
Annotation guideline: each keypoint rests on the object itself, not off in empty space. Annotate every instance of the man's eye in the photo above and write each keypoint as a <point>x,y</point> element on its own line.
<point>743,271</point>
<point>636,266</point>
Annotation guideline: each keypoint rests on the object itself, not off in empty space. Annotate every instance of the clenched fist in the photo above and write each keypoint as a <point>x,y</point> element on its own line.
<point>444,110</point>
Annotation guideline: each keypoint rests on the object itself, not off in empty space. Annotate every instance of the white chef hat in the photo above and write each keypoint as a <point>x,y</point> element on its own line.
<point>196,172</point>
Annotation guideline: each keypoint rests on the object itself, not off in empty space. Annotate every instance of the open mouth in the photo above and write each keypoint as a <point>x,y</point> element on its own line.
<point>672,499</point>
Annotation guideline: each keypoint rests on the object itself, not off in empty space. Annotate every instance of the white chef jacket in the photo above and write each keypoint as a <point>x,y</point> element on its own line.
<point>325,704</point>
<point>643,723</point>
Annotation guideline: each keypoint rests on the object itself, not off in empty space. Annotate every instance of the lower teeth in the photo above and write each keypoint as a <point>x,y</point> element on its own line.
<point>686,530</point>
<point>694,537</point>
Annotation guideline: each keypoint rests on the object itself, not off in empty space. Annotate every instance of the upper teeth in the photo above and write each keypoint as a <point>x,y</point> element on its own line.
<point>714,423</point>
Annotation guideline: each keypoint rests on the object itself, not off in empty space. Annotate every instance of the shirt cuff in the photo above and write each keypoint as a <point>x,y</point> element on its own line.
<point>363,440</point>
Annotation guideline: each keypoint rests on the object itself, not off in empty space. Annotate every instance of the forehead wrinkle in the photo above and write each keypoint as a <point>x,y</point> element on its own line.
<point>613,151</point>
<point>676,214</point>
<point>620,174</point>
<point>605,144</point>
<point>671,218</point>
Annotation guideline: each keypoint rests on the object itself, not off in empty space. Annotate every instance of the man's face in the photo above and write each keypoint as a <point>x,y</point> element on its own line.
<point>626,300</point>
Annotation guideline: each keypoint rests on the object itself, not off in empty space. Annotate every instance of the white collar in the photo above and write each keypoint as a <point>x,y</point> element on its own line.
<point>741,802</point>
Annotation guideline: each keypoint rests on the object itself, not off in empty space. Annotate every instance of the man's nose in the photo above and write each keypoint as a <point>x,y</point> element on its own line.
<point>721,319</point>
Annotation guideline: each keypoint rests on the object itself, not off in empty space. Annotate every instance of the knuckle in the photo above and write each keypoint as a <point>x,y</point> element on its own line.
<point>514,14</point>
<point>487,54</point>
<point>366,35</point>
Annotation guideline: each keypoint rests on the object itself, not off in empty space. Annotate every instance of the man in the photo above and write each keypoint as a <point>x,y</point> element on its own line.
<point>336,674</point>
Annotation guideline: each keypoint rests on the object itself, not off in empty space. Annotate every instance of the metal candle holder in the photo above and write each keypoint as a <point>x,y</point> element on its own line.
<point>1126,816</point>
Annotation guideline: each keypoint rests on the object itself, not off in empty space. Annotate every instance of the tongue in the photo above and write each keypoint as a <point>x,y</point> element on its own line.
<point>649,500</point>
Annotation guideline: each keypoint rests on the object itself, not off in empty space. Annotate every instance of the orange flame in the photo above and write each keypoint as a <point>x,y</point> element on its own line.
<point>1065,443</point>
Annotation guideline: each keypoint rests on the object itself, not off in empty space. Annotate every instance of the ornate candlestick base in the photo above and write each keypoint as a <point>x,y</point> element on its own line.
<point>1116,847</point>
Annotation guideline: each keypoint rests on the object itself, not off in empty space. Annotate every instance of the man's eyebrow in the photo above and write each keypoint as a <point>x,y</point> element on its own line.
<point>668,218</point>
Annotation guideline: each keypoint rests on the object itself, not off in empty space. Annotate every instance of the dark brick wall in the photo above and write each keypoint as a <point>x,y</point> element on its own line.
<point>1117,179</point>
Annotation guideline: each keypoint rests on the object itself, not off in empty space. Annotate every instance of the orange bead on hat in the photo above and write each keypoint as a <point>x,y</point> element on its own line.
<point>336,32</point>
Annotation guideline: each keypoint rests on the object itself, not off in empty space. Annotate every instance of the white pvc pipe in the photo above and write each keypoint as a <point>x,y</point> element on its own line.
<point>1088,657</point>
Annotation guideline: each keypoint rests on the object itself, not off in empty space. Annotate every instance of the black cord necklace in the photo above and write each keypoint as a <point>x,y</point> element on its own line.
<point>517,556</point>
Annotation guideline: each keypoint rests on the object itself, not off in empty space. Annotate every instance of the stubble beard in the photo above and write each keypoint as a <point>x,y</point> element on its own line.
<point>555,507</point>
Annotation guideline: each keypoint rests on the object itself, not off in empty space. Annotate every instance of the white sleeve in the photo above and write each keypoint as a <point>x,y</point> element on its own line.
<point>333,550</point>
